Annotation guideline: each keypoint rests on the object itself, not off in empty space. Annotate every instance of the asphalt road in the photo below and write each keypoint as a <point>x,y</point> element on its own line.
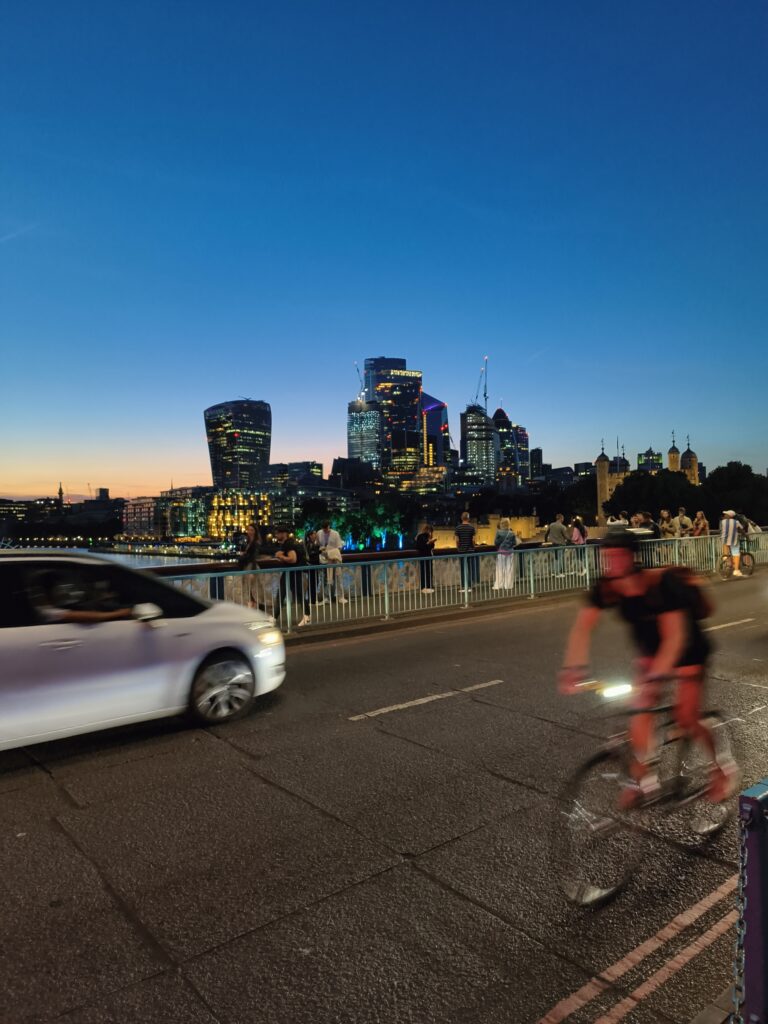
<point>316,864</point>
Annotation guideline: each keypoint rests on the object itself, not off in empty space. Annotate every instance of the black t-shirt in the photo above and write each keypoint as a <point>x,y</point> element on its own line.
<point>465,533</point>
<point>291,544</point>
<point>666,592</point>
<point>424,544</point>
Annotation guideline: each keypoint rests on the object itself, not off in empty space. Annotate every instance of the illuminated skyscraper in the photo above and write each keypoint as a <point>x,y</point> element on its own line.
<point>239,441</point>
<point>364,432</point>
<point>435,435</point>
<point>397,392</point>
<point>514,456</point>
<point>479,444</point>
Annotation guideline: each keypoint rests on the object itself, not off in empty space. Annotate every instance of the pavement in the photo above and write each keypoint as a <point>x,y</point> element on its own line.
<point>370,845</point>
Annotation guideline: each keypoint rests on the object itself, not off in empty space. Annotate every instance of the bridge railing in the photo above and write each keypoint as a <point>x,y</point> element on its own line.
<point>329,595</point>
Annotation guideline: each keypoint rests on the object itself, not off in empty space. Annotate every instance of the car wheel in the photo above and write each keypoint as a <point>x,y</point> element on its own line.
<point>223,689</point>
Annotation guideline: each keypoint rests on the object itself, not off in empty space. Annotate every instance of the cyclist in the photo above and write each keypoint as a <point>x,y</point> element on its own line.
<point>662,608</point>
<point>730,534</point>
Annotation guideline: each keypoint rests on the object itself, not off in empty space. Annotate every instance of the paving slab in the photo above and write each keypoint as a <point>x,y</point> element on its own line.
<point>18,770</point>
<point>177,762</point>
<point>91,752</point>
<point>202,857</point>
<point>398,948</point>
<point>36,804</point>
<point>496,738</point>
<point>64,938</point>
<point>506,867</point>
<point>168,999</point>
<point>393,791</point>
<point>281,724</point>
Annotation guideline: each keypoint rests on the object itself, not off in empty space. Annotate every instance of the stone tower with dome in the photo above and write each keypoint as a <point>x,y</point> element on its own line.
<point>610,473</point>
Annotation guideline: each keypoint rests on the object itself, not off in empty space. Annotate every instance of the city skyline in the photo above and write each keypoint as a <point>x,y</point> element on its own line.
<point>217,207</point>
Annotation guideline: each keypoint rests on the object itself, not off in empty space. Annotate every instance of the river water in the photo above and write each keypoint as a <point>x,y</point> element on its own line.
<point>137,561</point>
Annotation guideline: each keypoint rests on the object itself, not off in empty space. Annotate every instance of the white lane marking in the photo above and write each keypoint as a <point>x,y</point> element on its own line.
<point>727,625</point>
<point>423,700</point>
<point>671,967</point>
<point>481,686</point>
<point>755,710</point>
<point>601,981</point>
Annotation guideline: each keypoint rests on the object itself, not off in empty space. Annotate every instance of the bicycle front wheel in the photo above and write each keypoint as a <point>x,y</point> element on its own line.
<point>747,564</point>
<point>595,846</point>
<point>726,567</point>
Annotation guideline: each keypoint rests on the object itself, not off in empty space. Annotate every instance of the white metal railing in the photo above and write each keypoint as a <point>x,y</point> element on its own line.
<point>321,596</point>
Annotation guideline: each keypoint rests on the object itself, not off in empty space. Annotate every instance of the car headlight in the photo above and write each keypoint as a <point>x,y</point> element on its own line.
<point>267,635</point>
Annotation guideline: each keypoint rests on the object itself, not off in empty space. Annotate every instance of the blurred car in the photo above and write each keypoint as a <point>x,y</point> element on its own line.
<point>89,644</point>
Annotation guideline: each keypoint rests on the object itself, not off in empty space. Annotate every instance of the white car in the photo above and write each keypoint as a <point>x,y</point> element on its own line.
<point>88,644</point>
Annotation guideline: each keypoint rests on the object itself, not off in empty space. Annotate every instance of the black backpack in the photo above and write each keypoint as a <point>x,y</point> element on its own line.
<point>699,602</point>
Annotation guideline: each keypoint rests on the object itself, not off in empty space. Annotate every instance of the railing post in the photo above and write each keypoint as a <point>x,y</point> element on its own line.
<point>531,576</point>
<point>288,605</point>
<point>386,591</point>
<point>750,993</point>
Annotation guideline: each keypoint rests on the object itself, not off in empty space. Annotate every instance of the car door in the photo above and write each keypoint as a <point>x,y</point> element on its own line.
<point>62,678</point>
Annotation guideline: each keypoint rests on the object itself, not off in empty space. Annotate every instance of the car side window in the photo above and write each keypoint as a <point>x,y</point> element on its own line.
<point>15,607</point>
<point>112,586</point>
<point>54,588</point>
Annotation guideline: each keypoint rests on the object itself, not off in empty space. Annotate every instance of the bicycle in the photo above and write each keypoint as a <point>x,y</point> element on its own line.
<point>747,563</point>
<point>597,844</point>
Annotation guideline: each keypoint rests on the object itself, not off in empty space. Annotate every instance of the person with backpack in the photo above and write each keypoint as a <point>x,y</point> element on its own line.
<point>292,553</point>
<point>663,608</point>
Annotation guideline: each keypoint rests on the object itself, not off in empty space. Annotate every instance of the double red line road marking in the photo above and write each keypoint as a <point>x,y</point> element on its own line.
<point>601,982</point>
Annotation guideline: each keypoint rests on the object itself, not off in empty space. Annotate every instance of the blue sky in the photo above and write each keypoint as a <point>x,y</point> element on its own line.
<point>200,201</point>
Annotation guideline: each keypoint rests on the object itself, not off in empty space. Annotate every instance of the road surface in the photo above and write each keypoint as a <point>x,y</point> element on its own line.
<point>368,846</point>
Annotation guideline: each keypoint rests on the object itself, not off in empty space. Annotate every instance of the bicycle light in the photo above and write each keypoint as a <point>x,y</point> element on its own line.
<point>616,690</point>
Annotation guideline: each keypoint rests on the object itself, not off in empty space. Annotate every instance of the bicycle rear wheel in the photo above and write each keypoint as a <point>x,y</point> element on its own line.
<point>697,814</point>
<point>596,848</point>
<point>747,564</point>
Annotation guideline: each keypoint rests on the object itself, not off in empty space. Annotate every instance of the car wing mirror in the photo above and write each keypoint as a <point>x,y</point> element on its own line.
<point>147,612</point>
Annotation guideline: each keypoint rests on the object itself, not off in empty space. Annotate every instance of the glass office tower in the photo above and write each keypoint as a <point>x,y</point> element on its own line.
<point>364,432</point>
<point>239,441</point>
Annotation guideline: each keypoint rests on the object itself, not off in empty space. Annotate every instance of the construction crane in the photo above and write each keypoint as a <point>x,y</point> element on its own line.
<point>482,379</point>
<point>361,395</point>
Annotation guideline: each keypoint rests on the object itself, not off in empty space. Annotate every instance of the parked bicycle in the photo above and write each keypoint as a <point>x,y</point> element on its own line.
<point>597,843</point>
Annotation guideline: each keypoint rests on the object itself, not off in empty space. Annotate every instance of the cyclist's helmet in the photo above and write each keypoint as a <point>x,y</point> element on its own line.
<point>621,539</point>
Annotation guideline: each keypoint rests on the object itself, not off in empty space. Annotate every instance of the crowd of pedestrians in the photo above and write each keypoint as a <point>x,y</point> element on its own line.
<point>319,555</point>
<point>669,527</point>
<point>319,552</point>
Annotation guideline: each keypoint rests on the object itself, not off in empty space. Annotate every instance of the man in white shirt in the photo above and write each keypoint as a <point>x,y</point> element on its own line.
<point>330,553</point>
<point>682,524</point>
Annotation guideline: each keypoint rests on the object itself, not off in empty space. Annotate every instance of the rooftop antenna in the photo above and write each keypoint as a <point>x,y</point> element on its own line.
<point>485,384</point>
